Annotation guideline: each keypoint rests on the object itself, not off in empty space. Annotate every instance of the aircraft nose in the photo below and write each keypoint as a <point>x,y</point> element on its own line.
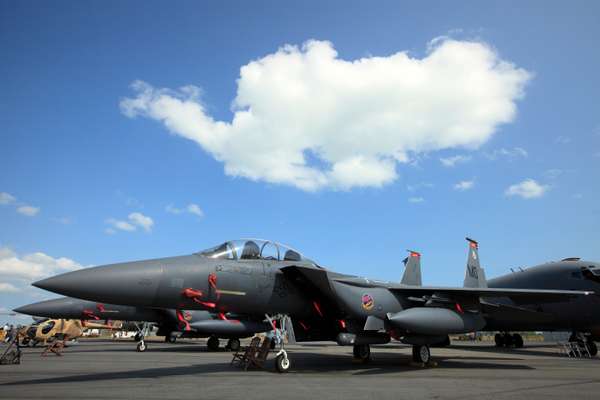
<point>132,283</point>
<point>29,309</point>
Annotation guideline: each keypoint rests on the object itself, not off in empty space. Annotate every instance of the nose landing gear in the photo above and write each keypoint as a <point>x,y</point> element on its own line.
<point>140,336</point>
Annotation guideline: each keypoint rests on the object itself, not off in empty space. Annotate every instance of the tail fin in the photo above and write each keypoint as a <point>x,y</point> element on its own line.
<point>412,271</point>
<point>474,276</point>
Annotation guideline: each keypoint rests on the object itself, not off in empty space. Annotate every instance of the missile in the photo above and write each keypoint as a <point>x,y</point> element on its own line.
<point>435,321</point>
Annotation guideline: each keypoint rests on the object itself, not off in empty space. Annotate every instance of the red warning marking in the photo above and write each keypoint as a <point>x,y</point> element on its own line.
<point>182,319</point>
<point>317,308</point>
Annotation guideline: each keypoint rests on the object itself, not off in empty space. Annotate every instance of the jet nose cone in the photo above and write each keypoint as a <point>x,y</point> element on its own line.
<point>127,283</point>
<point>55,308</point>
<point>28,309</point>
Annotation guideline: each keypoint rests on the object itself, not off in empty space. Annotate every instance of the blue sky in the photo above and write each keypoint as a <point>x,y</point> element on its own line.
<point>68,148</point>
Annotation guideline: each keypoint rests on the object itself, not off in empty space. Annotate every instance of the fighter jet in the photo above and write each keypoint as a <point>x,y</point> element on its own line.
<point>171,323</point>
<point>256,277</point>
<point>580,315</point>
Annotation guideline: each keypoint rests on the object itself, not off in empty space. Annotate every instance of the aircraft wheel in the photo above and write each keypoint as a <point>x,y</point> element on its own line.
<point>212,343</point>
<point>421,354</point>
<point>141,346</point>
<point>508,339</point>
<point>499,340</point>
<point>282,363</point>
<point>273,344</point>
<point>171,338</point>
<point>592,348</point>
<point>137,337</point>
<point>362,352</point>
<point>517,340</point>
<point>233,344</point>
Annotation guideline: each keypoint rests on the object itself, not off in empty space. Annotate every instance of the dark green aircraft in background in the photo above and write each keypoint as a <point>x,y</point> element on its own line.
<point>260,278</point>
<point>581,315</point>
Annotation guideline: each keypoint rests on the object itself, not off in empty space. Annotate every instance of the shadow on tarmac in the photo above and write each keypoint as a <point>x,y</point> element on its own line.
<point>302,363</point>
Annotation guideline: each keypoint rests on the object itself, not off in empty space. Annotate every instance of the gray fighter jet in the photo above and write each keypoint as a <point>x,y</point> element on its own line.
<point>581,315</point>
<point>254,277</point>
<point>172,324</point>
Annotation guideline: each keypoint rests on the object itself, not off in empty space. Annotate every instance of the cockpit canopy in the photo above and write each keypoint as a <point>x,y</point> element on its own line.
<point>253,249</point>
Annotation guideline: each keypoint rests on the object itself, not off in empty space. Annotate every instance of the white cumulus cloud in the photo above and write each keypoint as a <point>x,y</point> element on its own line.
<point>416,199</point>
<point>511,154</point>
<point>134,220</point>
<point>452,161</point>
<point>141,220</point>
<point>464,185</point>
<point>527,189</point>
<point>6,198</point>
<point>305,117</point>
<point>28,211</point>
<point>190,208</point>
<point>31,266</point>
<point>8,288</point>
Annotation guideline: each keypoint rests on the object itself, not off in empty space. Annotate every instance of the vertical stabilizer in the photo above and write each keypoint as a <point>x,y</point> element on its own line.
<point>474,275</point>
<point>412,271</point>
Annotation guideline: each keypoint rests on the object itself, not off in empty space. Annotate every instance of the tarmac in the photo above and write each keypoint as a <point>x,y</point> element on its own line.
<point>93,369</point>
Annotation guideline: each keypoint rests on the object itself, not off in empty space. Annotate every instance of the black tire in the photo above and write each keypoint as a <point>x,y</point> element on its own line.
<point>508,340</point>
<point>282,363</point>
<point>517,341</point>
<point>137,337</point>
<point>141,346</point>
<point>499,340</point>
<point>362,352</point>
<point>171,338</point>
<point>273,344</point>
<point>212,343</point>
<point>592,348</point>
<point>421,354</point>
<point>234,344</point>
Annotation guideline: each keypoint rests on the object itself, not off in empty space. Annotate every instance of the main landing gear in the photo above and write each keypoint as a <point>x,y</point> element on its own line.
<point>507,340</point>
<point>362,353</point>
<point>421,353</point>
<point>213,343</point>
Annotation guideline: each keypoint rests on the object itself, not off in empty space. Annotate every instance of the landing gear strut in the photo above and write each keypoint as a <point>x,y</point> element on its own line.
<point>140,336</point>
<point>213,343</point>
<point>421,353</point>
<point>282,361</point>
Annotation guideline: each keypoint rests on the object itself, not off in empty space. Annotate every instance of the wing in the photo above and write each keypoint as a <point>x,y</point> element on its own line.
<point>518,296</point>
